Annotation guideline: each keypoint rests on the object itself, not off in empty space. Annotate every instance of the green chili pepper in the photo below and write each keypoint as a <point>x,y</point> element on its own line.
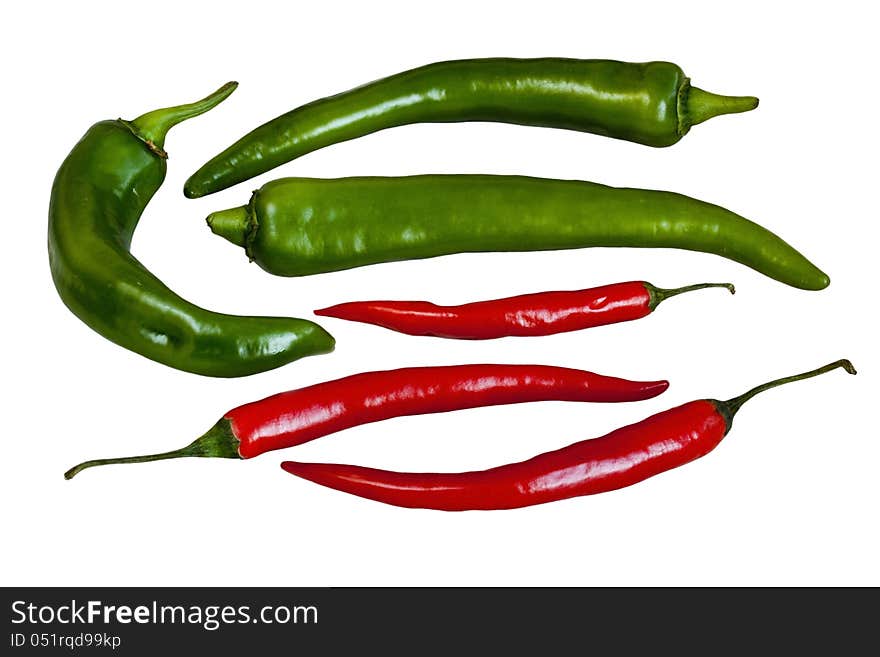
<point>299,226</point>
<point>650,103</point>
<point>97,199</point>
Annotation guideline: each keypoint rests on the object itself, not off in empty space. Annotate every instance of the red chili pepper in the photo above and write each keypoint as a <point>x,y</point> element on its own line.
<point>543,313</point>
<point>621,458</point>
<point>294,417</point>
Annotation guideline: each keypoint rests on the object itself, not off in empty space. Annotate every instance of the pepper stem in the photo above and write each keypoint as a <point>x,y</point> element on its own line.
<point>218,442</point>
<point>703,105</point>
<point>153,126</point>
<point>658,294</point>
<point>730,407</point>
<point>231,224</point>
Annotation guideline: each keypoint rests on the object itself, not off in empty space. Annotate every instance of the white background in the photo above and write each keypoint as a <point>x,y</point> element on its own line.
<point>789,497</point>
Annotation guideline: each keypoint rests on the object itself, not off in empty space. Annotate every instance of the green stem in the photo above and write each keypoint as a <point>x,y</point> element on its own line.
<point>730,407</point>
<point>153,126</point>
<point>703,105</point>
<point>218,442</point>
<point>231,224</point>
<point>659,294</point>
<point>696,105</point>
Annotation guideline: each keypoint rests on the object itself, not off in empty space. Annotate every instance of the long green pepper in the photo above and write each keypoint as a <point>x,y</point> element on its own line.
<point>648,103</point>
<point>300,226</point>
<point>97,198</point>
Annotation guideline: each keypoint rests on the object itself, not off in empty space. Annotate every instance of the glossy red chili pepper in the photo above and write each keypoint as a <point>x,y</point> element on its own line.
<point>298,416</point>
<point>543,313</point>
<point>621,458</point>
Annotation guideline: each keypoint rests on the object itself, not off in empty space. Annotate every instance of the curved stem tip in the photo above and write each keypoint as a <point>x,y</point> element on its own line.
<point>730,407</point>
<point>659,294</point>
<point>153,126</point>
<point>218,442</point>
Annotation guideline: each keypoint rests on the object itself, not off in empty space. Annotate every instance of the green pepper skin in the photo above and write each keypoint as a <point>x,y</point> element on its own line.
<point>97,199</point>
<point>300,226</point>
<point>651,103</point>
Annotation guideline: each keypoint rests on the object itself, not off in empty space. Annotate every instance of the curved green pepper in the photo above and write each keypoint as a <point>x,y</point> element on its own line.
<point>651,103</point>
<point>98,196</point>
<point>299,226</point>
